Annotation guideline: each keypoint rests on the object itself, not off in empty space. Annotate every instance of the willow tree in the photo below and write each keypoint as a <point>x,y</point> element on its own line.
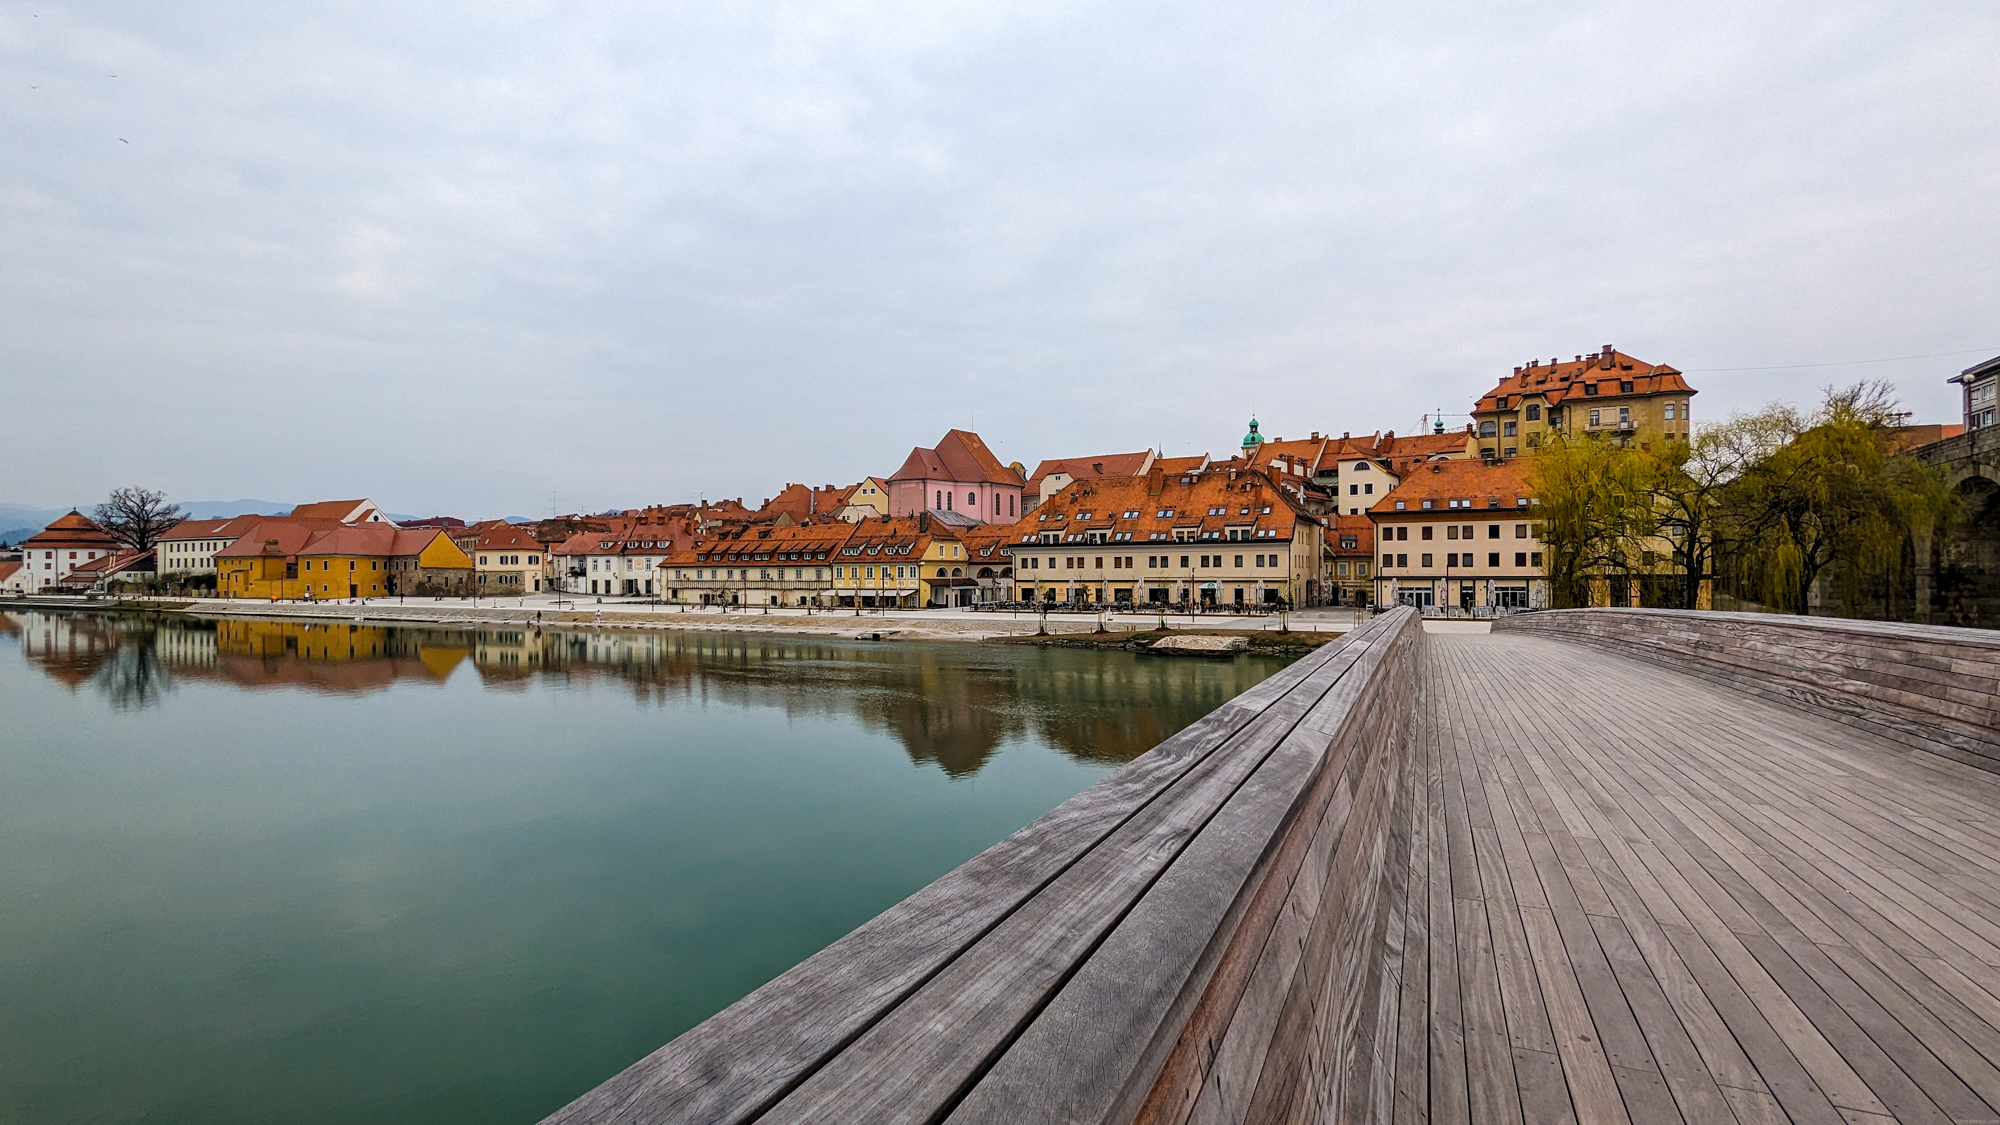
<point>1832,499</point>
<point>1593,503</point>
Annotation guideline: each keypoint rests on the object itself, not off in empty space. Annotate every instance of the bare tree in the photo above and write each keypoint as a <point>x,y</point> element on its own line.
<point>137,517</point>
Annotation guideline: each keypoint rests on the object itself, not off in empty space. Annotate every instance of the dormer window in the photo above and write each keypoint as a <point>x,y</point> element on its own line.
<point>1399,505</point>
<point>1625,386</point>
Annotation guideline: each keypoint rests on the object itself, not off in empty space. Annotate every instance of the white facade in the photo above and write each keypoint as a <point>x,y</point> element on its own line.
<point>190,547</point>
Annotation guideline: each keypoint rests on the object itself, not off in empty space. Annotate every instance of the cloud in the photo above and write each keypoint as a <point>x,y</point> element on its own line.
<point>459,257</point>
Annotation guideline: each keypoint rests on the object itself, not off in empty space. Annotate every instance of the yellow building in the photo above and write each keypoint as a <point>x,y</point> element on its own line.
<point>1609,396</point>
<point>869,499</point>
<point>882,562</point>
<point>285,559</point>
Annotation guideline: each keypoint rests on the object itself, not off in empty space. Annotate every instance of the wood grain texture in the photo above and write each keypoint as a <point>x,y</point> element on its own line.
<point>1930,687</point>
<point>1126,895</point>
<point>1598,866</point>
<point>1735,908</point>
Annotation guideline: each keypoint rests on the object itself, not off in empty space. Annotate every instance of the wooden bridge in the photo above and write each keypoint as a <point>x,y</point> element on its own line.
<point>1597,866</point>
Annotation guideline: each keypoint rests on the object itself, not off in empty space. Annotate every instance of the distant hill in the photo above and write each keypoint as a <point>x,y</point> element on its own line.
<point>223,509</point>
<point>21,520</point>
<point>18,516</point>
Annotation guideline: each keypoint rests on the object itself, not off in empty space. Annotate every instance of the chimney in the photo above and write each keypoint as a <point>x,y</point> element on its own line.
<point>923,522</point>
<point>1605,358</point>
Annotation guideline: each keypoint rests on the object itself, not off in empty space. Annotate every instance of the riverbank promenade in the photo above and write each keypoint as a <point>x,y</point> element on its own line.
<point>1592,866</point>
<point>585,610</point>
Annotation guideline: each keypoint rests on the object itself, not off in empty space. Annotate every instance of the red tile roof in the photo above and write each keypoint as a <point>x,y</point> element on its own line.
<point>290,538</point>
<point>961,458</point>
<point>1087,468</point>
<point>507,537</point>
<point>210,529</point>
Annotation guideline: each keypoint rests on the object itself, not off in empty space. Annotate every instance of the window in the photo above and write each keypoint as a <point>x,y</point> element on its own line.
<point>1595,418</point>
<point>1589,389</point>
<point>1354,490</point>
<point>1520,531</point>
<point>1399,505</point>
<point>1534,412</point>
<point>1403,532</point>
<point>1668,412</point>
<point>1239,560</point>
<point>1520,558</point>
<point>1492,531</point>
<point>1361,569</point>
<point>1493,558</point>
<point>1485,429</point>
<point>1507,429</point>
<point>1426,534</point>
<point>1367,489</point>
<point>1451,532</point>
<point>1535,559</point>
<point>1427,561</point>
<point>1625,386</point>
<point>1184,562</point>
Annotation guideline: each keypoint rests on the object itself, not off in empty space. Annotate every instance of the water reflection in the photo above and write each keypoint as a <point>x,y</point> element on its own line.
<point>954,705</point>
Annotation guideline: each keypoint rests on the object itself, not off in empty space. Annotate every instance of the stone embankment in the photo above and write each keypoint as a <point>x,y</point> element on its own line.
<point>1080,630</point>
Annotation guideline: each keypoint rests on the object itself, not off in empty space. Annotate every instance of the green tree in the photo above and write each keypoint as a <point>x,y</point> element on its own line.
<point>1593,503</point>
<point>1828,496</point>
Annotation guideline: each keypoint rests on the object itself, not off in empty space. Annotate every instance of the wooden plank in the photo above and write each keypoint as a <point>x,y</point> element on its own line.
<point>733,1066</point>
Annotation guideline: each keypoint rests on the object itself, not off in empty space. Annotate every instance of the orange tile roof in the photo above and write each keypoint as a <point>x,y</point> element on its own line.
<point>1457,488</point>
<point>8,570</point>
<point>1151,508</point>
<point>1087,468</point>
<point>72,530</point>
<point>1556,381</point>
<point>1359,528</point>
<point>1181,464</point>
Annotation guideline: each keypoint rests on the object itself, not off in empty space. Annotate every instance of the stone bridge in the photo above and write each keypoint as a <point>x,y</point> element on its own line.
<point>1958,577</point>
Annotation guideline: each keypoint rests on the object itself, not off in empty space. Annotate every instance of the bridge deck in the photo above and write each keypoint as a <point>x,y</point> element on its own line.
<point>1636,896</point>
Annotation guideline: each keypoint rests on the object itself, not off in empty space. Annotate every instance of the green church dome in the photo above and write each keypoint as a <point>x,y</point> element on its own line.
<point>1253,437</point>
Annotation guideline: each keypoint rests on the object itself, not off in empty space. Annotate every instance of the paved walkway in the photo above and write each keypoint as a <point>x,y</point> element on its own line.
<point>1639,897</point>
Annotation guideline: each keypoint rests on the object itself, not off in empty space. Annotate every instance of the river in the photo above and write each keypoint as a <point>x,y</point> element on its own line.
<point>261,871</point>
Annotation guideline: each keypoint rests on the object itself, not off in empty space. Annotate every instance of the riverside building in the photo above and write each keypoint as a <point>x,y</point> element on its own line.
<point>1460,533</point>
<point>1215,537</point>
<point>1609,396</point>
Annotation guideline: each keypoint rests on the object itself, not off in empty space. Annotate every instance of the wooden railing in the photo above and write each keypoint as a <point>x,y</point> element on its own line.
<point>1926,686</point>
<point>1199,937</point>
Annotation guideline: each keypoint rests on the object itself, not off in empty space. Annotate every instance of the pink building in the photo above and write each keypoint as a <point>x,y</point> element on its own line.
<point>961,476</point>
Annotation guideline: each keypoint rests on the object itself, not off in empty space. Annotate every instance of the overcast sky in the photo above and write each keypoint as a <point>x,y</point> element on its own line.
<point>458,257</point>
